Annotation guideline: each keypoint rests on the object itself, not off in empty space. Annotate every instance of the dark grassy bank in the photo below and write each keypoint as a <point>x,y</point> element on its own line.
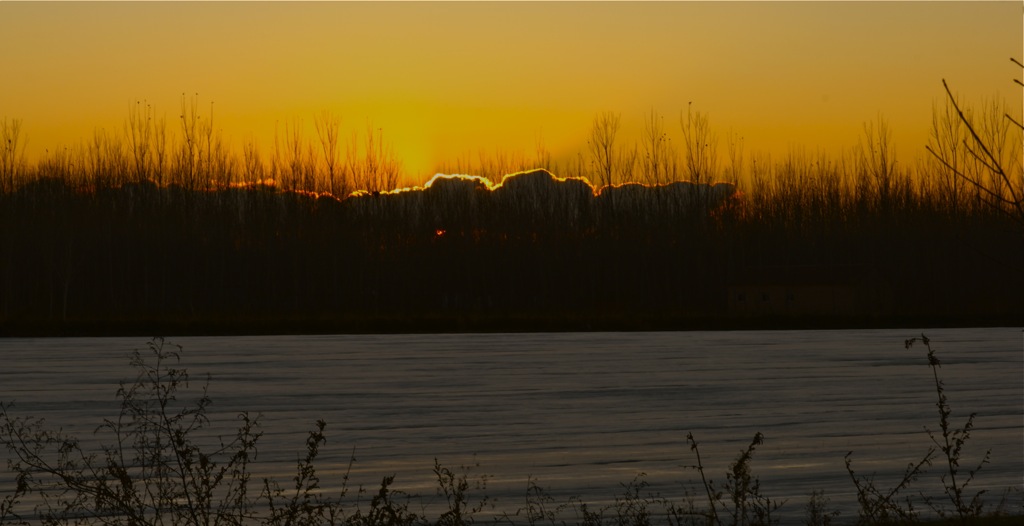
<point>535,254</point>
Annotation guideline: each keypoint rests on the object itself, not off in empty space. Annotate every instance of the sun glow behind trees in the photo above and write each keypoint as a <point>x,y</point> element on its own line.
<point>448,80</point>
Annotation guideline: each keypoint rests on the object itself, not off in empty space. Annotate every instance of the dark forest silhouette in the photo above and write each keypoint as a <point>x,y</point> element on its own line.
<point>534,252</point>
<point>156,234</point>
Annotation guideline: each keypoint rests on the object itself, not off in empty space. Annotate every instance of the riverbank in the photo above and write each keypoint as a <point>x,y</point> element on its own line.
<point>479,324</point>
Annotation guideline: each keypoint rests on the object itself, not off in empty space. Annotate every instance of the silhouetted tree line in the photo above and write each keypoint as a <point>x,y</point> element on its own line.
<point>533,252</point>
<point>153,233</point>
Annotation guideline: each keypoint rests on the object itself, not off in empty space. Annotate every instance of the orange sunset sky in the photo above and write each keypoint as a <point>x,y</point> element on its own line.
<point>446,79</point>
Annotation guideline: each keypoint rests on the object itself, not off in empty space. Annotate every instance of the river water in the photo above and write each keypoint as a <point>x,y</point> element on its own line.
<point>578,413</point>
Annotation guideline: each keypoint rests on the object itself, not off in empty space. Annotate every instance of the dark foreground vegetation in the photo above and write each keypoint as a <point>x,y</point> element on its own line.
<point>156,463</point>
<point>144,234</point>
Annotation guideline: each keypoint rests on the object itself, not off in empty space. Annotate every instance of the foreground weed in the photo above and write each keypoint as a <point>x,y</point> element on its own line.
<point>150,469</point>
<point>9,502</point>
<point>818,512</point>
<point>540,507</point>
<point>878,506</point>
<point>388,507</point>
<point>882,507</point>
<point>153,464</point>
<point>740,501</point>
<point>632,508</point>
<point>454,487</point>
<point>950,442</point>
<point>301,504</point>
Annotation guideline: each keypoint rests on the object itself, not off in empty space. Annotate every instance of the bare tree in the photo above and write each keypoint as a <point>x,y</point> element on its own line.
<point>138,129</point>
<point>577,168</point>
<point>701,146</point>
<point>109,164</point>
<point>947,136</point>
<point>626,162</point>
<point>541,155</point>
<point>12,153</point>
<point>212,143</point>
<point>603,155</point>
<point>294,165</point>
<point>876,160</point>
<point>189,151</point>
<point>734,144</point>
<point>147,141</point>
<point>994,144</point>
<point>159,154</point>
<point>657,164</point>
<point>254,169</point>
<point>327,126</point>
<point>377,169</point>
<point>294,151</point>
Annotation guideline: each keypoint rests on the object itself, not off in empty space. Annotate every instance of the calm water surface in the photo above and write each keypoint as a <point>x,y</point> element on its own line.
<point>580,413</point>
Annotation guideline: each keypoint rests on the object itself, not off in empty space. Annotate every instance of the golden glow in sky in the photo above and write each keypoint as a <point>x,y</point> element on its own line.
<point>446,79</point>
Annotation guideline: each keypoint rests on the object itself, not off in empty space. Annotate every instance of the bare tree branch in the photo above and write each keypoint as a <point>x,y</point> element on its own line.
<point>990,161</point>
